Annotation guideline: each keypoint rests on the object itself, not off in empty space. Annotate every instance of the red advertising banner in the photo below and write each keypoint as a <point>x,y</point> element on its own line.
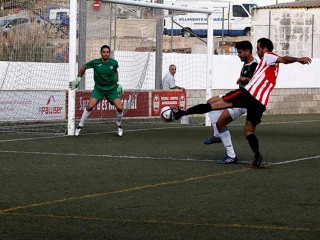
<point>137,105</point>
<point>171,98</point>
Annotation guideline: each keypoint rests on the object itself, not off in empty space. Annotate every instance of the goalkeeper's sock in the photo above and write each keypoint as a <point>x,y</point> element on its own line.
<point>119,118</point>
<point>199,109</point>
<point>84,117</point>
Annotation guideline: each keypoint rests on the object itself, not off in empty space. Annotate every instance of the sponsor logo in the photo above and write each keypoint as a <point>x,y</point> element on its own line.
<point>50,108</point>
<point>193,19</point>
<point>129,103</point>
<point>83,103</point>
<point>156,103</point>
<point>182,102</point>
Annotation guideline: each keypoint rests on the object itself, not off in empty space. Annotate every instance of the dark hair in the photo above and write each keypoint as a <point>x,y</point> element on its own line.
<point>104,46</point>
<point>266,43</point>
<point>244,45</point>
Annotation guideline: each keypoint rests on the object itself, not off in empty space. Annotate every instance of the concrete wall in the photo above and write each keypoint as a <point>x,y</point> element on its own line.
<point>191,72</point>
<point>285,100</point>
<point>297,90</point>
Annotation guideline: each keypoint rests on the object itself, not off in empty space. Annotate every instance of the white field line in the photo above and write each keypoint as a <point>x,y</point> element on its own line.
<point>108,156</point>
<point>145,129</point>
<point>297,160</point>
<point>149,157</point>
<point>86,134</point>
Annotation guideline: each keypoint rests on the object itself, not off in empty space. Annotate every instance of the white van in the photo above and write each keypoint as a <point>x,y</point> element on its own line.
<point>231,18</point>
<point>55,15</point>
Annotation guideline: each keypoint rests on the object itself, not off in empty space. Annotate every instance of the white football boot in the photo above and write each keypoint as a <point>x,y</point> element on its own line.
<point>77,132</point>
<point>120,130</point>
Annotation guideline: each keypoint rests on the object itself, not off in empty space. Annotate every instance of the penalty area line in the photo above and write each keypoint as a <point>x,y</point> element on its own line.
<point>96,133</point>
<point>149,157</point>
<point>297,160</point>
<point>108,156</point>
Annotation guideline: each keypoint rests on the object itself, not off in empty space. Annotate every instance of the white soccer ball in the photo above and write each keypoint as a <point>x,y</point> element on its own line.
<point>166,114</point>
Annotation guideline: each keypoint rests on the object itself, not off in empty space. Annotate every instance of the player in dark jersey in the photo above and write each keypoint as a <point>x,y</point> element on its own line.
<point>221,118</point>
<point>105,85</point>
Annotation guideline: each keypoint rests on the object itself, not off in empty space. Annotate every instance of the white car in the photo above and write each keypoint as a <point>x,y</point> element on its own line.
<point>13,22</point>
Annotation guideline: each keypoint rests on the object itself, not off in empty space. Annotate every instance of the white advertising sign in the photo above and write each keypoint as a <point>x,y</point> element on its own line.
<point>32,105</point>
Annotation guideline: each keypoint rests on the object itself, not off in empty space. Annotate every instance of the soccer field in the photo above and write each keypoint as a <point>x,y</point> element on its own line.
<point>159,181</point>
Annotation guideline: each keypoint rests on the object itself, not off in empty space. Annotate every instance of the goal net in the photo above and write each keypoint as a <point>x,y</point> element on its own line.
<point>34,63</point>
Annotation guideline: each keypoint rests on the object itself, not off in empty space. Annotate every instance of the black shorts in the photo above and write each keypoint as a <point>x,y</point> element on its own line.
<point>241,98</point>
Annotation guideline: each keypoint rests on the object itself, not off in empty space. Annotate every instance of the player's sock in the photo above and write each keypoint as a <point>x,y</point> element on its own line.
<point>84,117</point>
<point>119,118</point>
<point>227,143</point>
<point>253,142</point>
<point>198,109</point>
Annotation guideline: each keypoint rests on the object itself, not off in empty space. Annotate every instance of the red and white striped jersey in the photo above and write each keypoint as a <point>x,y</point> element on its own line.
<point>264,79</point>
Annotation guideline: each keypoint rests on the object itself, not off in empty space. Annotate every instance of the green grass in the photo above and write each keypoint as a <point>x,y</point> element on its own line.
<point>159,181</point>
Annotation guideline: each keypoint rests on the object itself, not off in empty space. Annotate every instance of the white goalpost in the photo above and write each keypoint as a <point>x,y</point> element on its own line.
<point>209,51</point>
<point>39,58</point>
<point>72,66</point>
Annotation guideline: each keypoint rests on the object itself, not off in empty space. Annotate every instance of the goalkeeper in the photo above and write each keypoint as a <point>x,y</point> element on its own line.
<point>105,85</point>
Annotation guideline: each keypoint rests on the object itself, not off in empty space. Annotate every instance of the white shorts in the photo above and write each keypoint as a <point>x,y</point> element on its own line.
<point>236,112</point>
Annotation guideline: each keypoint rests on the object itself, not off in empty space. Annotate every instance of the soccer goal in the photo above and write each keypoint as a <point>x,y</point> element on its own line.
<point>36,63</point>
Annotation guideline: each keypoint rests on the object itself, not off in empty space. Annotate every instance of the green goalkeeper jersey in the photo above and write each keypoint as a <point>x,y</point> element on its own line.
<point>105,77</point>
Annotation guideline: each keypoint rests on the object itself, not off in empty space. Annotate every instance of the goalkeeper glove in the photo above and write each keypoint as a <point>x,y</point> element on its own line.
<point>120,89</point>
<point>74,84</point>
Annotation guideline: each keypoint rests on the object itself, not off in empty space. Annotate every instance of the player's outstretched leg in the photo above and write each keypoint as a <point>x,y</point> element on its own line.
<point>197,109</point>
<point>177,113</point>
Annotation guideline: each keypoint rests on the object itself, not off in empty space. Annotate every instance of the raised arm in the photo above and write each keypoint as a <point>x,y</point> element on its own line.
<point>288,59</point>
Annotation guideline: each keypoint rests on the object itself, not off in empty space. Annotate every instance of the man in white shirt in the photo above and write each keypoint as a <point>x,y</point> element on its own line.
<point>168,81</point>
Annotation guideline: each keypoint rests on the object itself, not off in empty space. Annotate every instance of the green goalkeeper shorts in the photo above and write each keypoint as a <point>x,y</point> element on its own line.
<point>109,95</point>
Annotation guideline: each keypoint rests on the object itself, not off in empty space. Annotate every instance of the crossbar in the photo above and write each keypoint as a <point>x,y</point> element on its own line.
<point>159,6</point>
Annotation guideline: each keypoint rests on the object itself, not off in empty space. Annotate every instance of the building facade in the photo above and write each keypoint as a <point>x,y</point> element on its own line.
<point>293,27</point>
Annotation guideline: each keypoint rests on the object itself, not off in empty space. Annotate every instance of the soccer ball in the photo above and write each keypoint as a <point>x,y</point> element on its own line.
<point>166,114</point>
